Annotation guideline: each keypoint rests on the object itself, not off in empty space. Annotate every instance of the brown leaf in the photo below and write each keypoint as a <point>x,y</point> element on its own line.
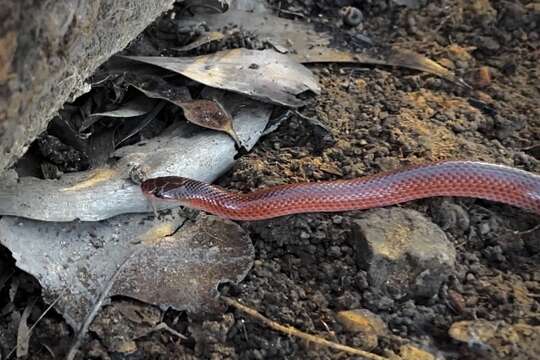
<point>206,113</point>
<point>210,114</point>
<point>381,56</point>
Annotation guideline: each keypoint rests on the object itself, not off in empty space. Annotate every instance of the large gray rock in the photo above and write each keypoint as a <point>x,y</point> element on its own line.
<point>48,49</point>
<point>403,252</point>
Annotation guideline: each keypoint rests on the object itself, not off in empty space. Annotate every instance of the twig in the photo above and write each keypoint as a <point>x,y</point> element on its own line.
<point>164,326</point>
<point>289,330</point>
<point>47,310</point>
<point>524,232</point>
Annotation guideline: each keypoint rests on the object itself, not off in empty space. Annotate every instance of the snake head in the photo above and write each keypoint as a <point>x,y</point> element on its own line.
<point>166,188</point>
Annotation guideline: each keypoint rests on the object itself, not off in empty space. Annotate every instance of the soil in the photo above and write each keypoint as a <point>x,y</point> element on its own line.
<point>378,119</point>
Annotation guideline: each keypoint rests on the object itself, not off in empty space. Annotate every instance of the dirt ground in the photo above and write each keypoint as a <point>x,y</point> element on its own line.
<point>306,268</point>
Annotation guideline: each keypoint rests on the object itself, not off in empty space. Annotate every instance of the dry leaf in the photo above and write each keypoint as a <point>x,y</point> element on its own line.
<point>210,114</point>
<point>263,74</point>
<point>138,126</point>
<point>308,45</point>
<point>206,113</point>
<point>188,265</point>
<point>23,331</point>
<point>138,106</point>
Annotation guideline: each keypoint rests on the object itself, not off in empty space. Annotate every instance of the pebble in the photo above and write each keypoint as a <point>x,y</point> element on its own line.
<point>402,252</point>
<point>351,16</point>
<point>482,77</point>
<point>366,324</point>
<point>497,337</point>
<point>411,352</point>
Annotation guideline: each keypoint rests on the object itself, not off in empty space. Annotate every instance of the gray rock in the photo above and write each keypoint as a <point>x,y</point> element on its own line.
<point>48,49</point>
<point>402,252</point>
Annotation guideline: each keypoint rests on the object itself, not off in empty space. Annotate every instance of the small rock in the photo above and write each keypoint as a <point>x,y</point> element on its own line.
<point>532,241</point>
<point>413,4</point>
<point>482,77</point>
<point>483,11</point>
<point>360,84</point>
<point>387,163</point>
<point>351,16</point>
<point>447,63</point>
<point>456,301</point>
<point>362,321</point>
<point>514,16</point>
<point>520,340</point>
<point>119,324</point>
<point>403,251</point>
<point>411,352</point>
<point>126,347</point>
<point>450,216</point>
<point>488,44</point>
<point>458,53</point>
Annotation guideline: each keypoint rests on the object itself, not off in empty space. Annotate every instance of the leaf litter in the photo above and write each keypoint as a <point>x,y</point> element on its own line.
<point>204,253</point>
<point>138,106</point>
<point>182,149</point>
<point>308,44</point>
<point>188,259</point>
<point>209,114</point>
<point>262,74</point>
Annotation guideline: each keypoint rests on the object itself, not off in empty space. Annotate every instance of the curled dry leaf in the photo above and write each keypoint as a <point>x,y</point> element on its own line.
<point>138,106</point>
<point>187,259</point>
<point>263,74</point>
<point>210,114</point>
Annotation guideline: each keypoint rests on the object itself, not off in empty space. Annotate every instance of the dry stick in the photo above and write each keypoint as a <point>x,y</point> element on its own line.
<point>289,330</point>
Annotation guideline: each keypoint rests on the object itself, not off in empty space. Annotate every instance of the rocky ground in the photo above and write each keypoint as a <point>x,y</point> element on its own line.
<point>437,278</point>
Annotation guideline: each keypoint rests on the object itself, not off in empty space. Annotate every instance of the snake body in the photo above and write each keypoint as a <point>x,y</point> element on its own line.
<point>448,178</point>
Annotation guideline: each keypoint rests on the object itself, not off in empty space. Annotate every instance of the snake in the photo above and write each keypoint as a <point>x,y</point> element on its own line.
<point>473,179</point>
